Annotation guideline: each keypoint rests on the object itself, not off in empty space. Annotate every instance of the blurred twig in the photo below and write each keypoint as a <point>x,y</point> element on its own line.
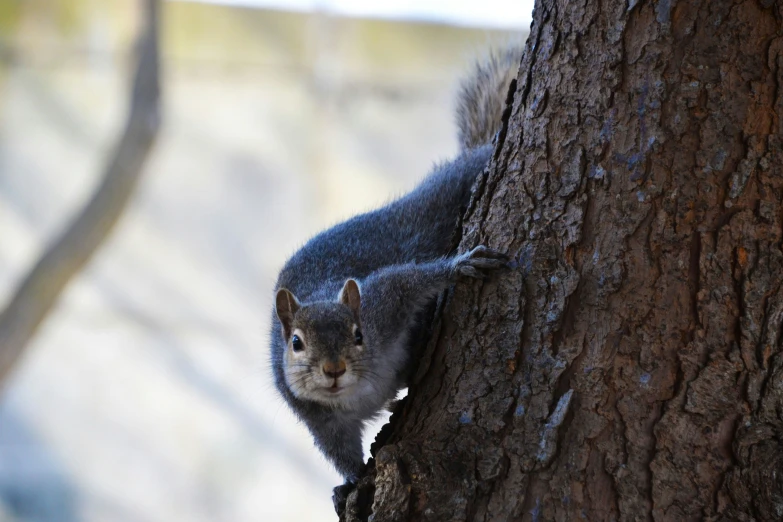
<point>73,249</point>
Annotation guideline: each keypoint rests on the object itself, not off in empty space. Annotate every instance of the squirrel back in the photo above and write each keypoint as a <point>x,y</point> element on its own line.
<point>482,96</point>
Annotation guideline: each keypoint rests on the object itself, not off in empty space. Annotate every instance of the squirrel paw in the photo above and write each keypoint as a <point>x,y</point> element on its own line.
<point>340,496</point>
<point>478,261</point>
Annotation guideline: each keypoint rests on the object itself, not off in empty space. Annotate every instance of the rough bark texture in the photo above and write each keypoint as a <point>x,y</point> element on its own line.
<point>41,287</point>
<point>630,367</point>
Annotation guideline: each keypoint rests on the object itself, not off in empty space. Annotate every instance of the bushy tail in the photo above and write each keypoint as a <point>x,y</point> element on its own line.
<point>482,96</point>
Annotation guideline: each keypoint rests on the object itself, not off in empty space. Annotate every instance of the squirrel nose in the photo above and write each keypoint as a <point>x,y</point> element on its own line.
<point>334,369</point>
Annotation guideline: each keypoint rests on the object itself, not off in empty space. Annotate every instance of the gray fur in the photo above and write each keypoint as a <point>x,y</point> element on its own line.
<point>400,256</point>
<point>482,96</point>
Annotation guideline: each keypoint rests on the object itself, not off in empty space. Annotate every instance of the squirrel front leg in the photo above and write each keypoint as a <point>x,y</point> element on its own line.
<point>340,440</point>
<point>392,296</point>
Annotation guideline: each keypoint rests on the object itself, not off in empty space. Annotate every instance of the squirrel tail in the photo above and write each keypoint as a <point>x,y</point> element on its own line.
<point>482,96</point>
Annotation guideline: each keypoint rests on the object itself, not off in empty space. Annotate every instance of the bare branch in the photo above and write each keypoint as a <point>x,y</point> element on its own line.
<point>73,249</point>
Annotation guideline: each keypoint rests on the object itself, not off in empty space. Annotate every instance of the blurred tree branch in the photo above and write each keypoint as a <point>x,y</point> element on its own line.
<point>73,249</point>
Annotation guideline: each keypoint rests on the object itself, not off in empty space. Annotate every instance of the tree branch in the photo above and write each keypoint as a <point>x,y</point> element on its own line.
<point>75,247</point>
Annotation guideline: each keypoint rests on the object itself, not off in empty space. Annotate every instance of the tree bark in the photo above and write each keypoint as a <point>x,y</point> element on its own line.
<point>40,289</point>
<point>630,367</point>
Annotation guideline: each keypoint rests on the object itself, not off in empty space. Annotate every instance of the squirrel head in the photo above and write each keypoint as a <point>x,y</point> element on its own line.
<point>325,355</point>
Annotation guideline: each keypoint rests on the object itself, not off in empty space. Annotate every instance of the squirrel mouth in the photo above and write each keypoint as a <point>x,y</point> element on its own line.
<point>335,388</point>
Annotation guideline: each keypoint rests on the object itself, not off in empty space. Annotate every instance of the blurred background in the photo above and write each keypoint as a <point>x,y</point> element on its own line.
<point>146,394</point>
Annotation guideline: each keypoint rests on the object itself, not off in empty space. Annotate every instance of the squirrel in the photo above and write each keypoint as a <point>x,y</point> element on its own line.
<point>348,302</point>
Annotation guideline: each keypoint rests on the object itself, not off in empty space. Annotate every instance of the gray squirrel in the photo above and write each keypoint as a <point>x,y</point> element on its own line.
<point>349,301</point>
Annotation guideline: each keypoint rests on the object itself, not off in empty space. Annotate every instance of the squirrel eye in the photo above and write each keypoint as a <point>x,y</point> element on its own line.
<point>357,337</point>
<point>297,343</point>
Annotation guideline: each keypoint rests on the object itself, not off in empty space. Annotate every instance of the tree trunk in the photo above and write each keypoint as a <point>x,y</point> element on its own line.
<point>630,367</point>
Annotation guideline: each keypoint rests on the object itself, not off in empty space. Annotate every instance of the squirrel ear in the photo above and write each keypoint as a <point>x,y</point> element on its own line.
<point>286,305</point>
<point>350,296</point>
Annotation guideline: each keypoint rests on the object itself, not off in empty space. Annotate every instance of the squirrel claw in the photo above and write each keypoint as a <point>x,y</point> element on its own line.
<point>479,260</point>
<point>485,251</point>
